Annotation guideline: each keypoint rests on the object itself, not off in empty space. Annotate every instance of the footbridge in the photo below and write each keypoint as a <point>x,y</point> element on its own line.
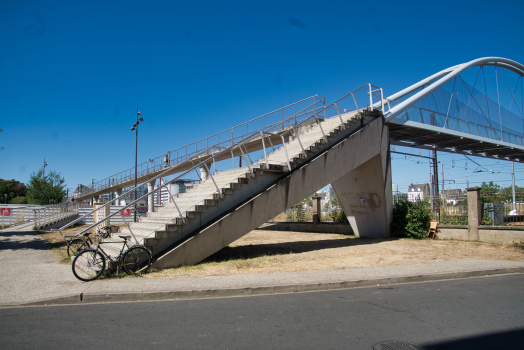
<point>247,178</point>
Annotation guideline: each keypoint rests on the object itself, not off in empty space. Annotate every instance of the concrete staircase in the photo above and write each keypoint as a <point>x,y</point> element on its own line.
<point>161,231</point>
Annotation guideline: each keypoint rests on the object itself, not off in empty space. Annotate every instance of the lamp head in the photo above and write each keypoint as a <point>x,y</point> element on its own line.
<point>141,119</point>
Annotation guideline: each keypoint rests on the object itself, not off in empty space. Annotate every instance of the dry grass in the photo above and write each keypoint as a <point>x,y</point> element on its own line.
<point>277,251</point>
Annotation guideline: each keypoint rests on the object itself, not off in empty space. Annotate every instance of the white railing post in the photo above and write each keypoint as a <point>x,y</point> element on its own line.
<point>245,159</point>
<point>212,179</point>
<point>285,151</point>
<point>338,112</point>
<point>264,147</point>
<point>370,98</point>
<point>355,100</point>
<point>382,100</point>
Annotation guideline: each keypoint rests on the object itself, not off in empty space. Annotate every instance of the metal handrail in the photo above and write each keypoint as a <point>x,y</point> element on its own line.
<point>250,137</point>
<point>119,177</point>
<point>54,213</point>
<point>495,131</point>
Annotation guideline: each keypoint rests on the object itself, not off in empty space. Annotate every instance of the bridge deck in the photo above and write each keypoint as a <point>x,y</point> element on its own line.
<point>418,135</point>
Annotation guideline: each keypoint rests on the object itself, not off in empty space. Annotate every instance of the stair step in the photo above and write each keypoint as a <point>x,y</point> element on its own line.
<point>164,223</point>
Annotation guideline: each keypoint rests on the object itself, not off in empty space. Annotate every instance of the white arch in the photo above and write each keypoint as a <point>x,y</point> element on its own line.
<point>445,76</point>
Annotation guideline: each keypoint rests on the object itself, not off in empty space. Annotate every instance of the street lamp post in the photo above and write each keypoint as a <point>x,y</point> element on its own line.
<point>135,127</point>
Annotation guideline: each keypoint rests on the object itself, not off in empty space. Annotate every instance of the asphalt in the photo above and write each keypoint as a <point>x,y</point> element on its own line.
<point>32,276</point>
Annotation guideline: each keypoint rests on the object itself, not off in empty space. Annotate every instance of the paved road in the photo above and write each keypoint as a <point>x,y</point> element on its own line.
<point>476,313</point>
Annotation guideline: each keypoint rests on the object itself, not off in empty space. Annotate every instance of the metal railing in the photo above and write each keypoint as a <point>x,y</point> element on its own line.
<point>219,140</point>
<point>429,117</point>
<point>287,129</point>
<point>12,216</point>
<point>54,213</point>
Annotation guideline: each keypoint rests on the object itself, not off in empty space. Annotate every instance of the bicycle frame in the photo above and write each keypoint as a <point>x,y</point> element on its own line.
<point>118,259</point>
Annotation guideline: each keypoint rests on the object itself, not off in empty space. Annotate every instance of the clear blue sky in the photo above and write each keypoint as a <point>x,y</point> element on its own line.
<point>72,72</point>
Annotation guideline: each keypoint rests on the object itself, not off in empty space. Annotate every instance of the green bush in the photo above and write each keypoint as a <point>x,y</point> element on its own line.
<point>411,219</point>
<point>339,216</point>
<point>19,200</point>
<point>299,211</point>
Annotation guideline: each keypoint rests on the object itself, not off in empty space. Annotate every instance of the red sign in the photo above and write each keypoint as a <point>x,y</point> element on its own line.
<point>125,212</point>
<point>5,211</point>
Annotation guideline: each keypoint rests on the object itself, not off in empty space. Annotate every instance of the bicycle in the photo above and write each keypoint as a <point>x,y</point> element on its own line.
<point>76,243</point>
<point>90,263</point>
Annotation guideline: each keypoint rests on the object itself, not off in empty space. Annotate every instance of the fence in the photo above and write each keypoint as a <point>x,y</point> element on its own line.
<point>51,214</point>
<point>496,209</point>
<point>16,215</point>
<point>500,209</point>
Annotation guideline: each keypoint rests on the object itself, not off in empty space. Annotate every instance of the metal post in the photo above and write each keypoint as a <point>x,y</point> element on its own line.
<point>338,111</point>
<point>443,187</point>
<point>513,186</point>
<point>370,98</point>
<point>382,100</point>
<point>247,163</point>
<point>355,100</point>
<point>264,147</point>
<point>216,186</point>
<point>285,151</point>
<point>436,204</point>
<point>128,226</point>
<point>136,157</point>
<point>233,158</point>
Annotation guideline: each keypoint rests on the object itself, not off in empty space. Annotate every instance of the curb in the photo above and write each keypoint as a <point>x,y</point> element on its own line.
<point>95,298</point>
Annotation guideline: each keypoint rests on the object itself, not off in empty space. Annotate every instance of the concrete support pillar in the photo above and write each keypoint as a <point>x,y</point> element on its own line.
<point>365,193</point>
<point>94,200</point>
<point>118,194</point>
<point>316,209</point>
<point>474,213</point>
<point>150,198</point>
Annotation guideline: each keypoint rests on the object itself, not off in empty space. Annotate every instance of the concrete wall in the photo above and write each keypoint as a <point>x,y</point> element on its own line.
<point>322,227</point>
<point>491,234</point>
<point>365,192</point>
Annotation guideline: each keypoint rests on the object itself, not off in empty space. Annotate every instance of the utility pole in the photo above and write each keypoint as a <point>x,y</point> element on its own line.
<point>513,186</point>
<point>443,187</point>
<point>436,204</point>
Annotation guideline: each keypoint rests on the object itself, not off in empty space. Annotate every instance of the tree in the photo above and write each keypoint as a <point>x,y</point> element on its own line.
<point>490,193</point>
<point>12,188</point>
<point>299,211</point>
<point>46,188</point>
<point>508,193</point>
<point>337,213</point>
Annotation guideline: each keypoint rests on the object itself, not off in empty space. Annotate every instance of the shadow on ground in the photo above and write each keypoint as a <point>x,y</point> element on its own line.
<point>22,240</point>
<point>500,340</point>
<point>258,250</point>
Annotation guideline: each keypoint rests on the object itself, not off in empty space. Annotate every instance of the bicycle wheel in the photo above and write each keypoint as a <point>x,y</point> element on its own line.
<point>88,265</point>
<point>136,261</point>
<point>76,246</point>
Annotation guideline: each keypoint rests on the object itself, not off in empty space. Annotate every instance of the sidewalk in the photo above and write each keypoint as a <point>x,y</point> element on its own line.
<point>31,275</point>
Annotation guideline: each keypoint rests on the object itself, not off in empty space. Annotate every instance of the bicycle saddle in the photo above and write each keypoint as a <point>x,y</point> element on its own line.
<point>125,237</point>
